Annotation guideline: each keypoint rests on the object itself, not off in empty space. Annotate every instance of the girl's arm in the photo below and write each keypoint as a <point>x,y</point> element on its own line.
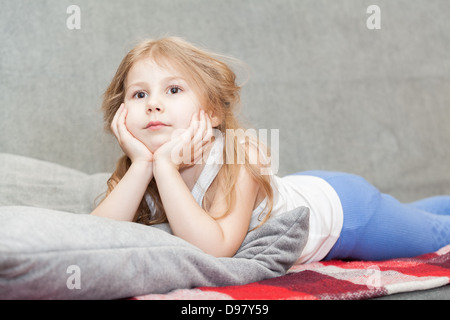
<point>123,201</point>
<point>221,237</point>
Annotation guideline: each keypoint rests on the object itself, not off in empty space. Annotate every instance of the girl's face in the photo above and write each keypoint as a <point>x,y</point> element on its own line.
<point>157,94</point>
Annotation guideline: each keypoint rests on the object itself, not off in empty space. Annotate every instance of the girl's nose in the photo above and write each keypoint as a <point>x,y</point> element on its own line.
<point>155,105</point>
<point>151,108</point>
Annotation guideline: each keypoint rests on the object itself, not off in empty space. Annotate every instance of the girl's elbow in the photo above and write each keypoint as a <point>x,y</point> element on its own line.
<point>222,254</point>
<point>223,251</point>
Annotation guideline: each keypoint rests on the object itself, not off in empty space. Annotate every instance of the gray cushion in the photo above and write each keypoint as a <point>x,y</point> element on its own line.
<point>47,241</point>
<point>31,182</point>
<point>39,247</point>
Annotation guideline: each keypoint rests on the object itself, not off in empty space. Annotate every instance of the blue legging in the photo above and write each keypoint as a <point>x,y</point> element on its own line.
<point>378,227</point>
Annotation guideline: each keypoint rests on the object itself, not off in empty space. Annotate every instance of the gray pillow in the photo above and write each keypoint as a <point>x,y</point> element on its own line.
<point>48,254</point>
<point>46,250</point>
<point>36,183</point>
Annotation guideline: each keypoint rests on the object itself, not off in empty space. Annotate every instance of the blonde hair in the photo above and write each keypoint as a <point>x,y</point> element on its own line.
<point>215,85</point>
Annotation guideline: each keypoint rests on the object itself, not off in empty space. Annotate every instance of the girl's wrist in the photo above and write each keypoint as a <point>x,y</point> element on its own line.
<point>145,167</point>
<point>162,165</point>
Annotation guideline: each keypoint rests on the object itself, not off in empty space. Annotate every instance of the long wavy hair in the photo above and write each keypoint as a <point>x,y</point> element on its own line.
<point>214,83</point>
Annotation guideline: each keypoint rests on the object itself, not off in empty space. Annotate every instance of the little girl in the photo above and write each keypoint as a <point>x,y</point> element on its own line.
<point>170,105</point>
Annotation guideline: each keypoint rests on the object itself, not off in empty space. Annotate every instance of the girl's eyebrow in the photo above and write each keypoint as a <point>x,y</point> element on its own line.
<point>164,80</point>
<point>138,84</point>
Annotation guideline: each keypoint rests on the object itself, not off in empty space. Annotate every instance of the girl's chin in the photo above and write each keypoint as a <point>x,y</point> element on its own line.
<point>154,145</point>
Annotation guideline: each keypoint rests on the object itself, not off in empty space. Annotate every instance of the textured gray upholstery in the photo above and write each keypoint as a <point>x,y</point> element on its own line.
<point>370,102</point>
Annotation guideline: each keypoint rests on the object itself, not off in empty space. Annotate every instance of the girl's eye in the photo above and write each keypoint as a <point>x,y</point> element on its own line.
<point>174,90</point>
<point>140,95</point>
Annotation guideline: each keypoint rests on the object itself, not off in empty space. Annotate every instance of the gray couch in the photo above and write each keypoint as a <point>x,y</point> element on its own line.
<point>344,97</point>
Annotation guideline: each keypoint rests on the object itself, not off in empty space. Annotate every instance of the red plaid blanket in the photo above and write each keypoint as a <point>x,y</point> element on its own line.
<point>333,280</point>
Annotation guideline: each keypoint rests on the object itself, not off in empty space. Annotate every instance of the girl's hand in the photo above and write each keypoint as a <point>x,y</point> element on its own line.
<point>186,148</point>
<point>132,147</point>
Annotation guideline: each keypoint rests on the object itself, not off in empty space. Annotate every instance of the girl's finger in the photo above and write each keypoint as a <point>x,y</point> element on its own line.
<point>187,139</point>
<point>121,126</point>
<point>199,130</point>
<point>206,130</point>
<point>184,137</point>
<point>183,141</point>
<point>203,137</point>
<point>204,124</point>
<point>196,122</point>
<point>190,132</point>
<point>115,119</point>
<point>209,132</point>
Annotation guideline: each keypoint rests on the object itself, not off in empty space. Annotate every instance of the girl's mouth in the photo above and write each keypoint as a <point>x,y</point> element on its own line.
<point>155,125</point>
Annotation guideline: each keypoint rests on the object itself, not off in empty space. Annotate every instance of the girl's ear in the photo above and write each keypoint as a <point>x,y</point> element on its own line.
<point>215,119</point>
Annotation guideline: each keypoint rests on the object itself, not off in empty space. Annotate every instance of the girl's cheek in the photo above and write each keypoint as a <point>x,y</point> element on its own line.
<point>131,122</point>
<point>133,103</point>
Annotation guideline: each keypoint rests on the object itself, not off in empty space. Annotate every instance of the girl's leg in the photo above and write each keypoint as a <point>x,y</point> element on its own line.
<point>378,227</point>
<point>436,205</point>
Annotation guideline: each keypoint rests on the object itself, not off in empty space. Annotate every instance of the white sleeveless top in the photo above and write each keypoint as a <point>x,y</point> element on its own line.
<point>290,192</point>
